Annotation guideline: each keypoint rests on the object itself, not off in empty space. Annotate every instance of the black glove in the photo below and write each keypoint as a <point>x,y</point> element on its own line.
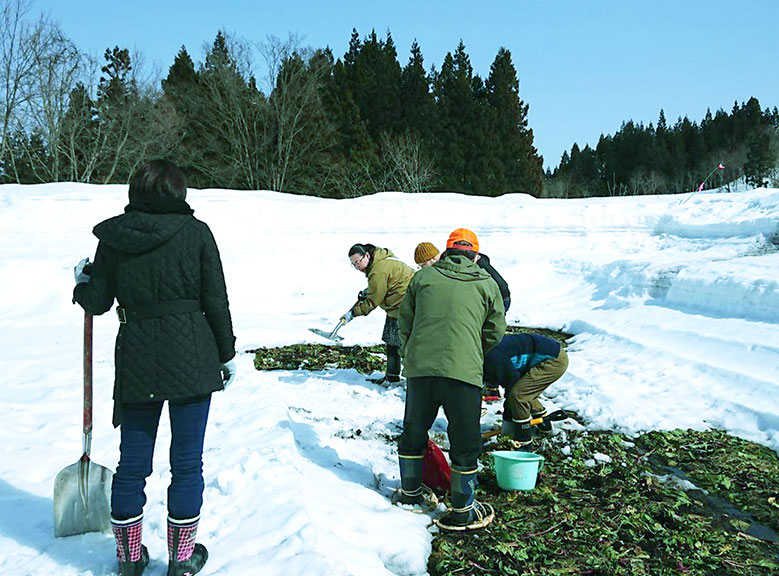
<point>362,295</point>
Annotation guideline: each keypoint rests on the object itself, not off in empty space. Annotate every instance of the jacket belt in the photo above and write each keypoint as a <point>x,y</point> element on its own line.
<point>156,309</point>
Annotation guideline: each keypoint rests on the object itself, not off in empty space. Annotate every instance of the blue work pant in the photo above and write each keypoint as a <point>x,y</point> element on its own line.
<point>138,435</point>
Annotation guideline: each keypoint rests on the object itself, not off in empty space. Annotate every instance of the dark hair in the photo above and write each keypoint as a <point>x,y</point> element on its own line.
<point>469,254</point>
<point>362,249</point>
<point>156,179</point>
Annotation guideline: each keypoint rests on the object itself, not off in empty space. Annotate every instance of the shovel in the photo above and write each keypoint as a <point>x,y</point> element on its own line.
<point>555,416</point>
<point>82,491</point>
<point>332,335</point>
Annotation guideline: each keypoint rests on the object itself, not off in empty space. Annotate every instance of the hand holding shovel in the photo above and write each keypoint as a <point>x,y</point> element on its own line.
<point>333,334</point>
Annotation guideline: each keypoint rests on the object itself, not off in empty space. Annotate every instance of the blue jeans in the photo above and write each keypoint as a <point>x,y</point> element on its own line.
<point>138,434</point>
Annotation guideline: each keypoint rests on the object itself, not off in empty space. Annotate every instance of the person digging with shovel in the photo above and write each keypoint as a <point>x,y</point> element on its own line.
<point>388,279</point>
<point>175,344</point>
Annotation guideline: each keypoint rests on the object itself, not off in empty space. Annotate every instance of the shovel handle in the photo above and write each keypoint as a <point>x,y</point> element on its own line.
<point>87,383</point>
<point>338,326</point>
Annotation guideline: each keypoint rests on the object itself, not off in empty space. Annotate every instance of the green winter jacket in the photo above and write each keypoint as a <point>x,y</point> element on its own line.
<point>388,278</point>
<point>451,316</point>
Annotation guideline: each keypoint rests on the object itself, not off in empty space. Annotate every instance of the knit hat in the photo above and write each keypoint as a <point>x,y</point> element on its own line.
<point>468,238</point>
<point>424,251</point>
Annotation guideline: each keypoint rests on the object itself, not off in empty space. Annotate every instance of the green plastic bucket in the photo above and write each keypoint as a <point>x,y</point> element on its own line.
<point>517,470</point>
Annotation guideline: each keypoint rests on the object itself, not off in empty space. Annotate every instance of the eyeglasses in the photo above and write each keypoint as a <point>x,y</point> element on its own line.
<point>356,262</point>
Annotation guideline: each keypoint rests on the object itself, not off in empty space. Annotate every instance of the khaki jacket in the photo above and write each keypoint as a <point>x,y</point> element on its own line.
<point>388,278</point>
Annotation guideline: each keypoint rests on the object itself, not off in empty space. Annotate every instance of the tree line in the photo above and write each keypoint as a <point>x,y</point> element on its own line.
<point>329,126</point>
<point>659,159</point>
<point>315,124</point>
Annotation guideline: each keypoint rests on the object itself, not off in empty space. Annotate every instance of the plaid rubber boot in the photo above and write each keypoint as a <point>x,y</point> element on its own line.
<point>131,554</point>
<point>185,557</point>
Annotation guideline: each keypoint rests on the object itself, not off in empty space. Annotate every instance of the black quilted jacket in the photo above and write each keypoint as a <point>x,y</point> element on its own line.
<point>145,258</point>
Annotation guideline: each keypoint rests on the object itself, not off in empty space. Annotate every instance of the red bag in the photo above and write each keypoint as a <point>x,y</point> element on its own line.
<point>436,473</point>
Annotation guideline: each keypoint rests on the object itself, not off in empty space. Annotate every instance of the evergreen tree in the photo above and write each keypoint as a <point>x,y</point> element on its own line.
<point>354,156</point>
<point>376,85</point>
<point>517,165</point>
<point>116,86</point>
<point>416,100</point>
<point>458,132</point>
<point>182,89</point>
<point>759,158</point>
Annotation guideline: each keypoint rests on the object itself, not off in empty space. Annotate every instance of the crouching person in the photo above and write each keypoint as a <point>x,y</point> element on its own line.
<point>451,314</point>
<point>175,343</point>
<point>525,365</point>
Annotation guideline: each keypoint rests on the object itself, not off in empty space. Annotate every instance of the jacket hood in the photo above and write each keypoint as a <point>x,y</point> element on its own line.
<point>139,232</point>
<point>460,268</point>
<point>379,254</point>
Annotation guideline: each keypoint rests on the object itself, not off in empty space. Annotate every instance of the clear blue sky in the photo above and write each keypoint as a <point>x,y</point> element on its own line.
<point>584,67</point>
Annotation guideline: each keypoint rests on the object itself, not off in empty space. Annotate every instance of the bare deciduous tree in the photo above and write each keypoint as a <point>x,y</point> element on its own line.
<point>410,169</point>
<point>297,131</point>
<point>232,119</point>
<point>57,67</point>
<point>16,61</point>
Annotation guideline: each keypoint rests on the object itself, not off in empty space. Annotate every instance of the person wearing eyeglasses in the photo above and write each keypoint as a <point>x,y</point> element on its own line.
<point>388,278</point>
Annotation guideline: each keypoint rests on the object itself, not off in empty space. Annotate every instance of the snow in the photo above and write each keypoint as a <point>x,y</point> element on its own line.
<point>674,306</point>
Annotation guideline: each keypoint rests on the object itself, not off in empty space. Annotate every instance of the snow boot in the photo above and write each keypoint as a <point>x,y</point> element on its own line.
<point>545,427</point>
<point>185,557</point>
<point>393,364</point>
<point>523,433</point>
<point>466,513</point>
<point>411,491</point>
<point>133,556</point>
<point>508,428</point>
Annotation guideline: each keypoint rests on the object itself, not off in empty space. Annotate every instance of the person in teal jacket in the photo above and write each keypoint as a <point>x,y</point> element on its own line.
<point>451,315</point>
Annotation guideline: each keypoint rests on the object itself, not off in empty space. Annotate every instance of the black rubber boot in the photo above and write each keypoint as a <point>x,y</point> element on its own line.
<point>523,434</point>
<point>545,427</point>
<point>410,481</point>
<point>393,364</point>
<point>135,568</point>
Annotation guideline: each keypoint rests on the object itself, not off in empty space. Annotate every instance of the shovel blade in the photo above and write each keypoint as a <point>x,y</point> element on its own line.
<point>82,496</point>
<point>328,335</point>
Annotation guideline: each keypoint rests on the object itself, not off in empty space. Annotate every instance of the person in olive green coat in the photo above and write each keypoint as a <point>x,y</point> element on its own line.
<point>451,315</point>
<point>388,278</point>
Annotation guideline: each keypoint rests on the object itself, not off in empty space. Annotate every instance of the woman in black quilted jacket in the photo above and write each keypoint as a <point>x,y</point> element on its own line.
<point>175,343</point>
